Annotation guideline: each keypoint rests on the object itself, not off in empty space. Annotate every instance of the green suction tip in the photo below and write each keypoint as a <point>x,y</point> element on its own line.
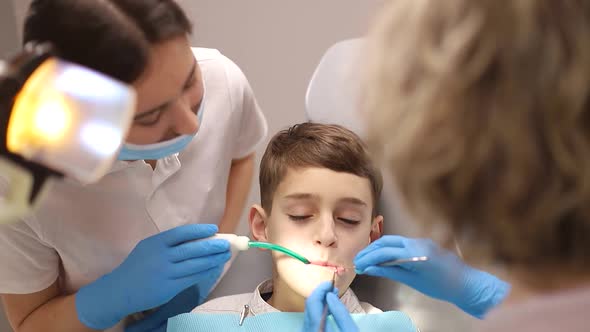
<point>276,247</point>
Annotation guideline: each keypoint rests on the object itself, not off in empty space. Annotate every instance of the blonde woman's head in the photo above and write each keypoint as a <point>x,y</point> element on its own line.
<point>481,111</point>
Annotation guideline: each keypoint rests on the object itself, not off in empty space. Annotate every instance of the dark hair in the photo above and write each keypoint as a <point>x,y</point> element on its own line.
<point>315,145</point>
<point>110,36</point>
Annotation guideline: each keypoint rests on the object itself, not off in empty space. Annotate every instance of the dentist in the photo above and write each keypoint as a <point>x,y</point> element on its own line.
<point>91,255</point>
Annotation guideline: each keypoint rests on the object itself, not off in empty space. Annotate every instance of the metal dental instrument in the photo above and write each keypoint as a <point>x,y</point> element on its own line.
<point>244,313</point>
<point>396,262</point>
<point>405,260</point>
<point>325,313</point>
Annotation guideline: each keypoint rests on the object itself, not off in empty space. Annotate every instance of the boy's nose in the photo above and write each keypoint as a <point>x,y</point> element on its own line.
<point>326,234</point>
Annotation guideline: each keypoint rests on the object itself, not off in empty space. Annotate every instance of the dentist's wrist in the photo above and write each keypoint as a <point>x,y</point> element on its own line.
<point>482,292</point>
<point>502,291</point>
<point>90,306</point>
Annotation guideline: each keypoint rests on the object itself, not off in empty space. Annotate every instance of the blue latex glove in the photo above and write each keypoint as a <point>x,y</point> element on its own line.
<point>314,309</point>
<point>444,276</point>
<point>182,303</point>
<point>157,269</point>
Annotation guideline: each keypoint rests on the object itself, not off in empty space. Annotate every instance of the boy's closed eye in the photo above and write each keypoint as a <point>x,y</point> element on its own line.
<point>349,221</point>
<point>351,214</point>
<point>299,217</point>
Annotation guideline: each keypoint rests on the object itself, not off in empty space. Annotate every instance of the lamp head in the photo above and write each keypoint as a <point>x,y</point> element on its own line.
<point>60,119</point>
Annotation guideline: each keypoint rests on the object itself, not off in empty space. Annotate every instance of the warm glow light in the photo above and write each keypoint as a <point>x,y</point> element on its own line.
<point>39,115</point>
<point>70,119</point>
<point>52,119</point>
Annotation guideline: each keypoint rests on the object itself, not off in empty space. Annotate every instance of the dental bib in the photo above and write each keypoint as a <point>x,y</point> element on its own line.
<point>285,321</point>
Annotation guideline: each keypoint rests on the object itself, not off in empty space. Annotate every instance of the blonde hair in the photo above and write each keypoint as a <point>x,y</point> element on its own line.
<point>481,111</point>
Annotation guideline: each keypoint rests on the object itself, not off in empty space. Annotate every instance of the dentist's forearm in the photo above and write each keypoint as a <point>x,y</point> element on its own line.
<point>238,188</point>
<point>43,311</point>
<point>57,315</point>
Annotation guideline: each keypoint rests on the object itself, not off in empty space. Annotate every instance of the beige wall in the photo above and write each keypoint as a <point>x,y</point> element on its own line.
<point>20,9</point>
<point>278,44</point>
<point>8,44</point>
<point>8,37</point>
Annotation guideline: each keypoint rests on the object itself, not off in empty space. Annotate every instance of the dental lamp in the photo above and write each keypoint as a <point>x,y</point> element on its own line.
<point>57,119</point>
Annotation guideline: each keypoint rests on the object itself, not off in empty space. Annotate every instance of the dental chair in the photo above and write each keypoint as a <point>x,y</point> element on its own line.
<point>332,98</point>
<point>332,93</point>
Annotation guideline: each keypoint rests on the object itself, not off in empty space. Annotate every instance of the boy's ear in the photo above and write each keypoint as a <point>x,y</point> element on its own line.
<point>376,228</point>
<point>257,220</point>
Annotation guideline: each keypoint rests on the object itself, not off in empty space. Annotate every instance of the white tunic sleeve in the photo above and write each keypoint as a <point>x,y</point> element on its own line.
<point>27,265</point>
<point>253,127</point>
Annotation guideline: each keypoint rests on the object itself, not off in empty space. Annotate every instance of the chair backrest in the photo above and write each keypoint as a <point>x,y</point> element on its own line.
<point>333,97</point>
<point>332,93</point>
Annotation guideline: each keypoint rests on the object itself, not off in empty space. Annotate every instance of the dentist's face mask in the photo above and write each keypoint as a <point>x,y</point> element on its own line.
<point>162,149</point>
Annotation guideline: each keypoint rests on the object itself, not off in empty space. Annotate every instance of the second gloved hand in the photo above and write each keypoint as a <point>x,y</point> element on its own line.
<point>157,269</point>
<point>314,309</point>
<point>444,276</point>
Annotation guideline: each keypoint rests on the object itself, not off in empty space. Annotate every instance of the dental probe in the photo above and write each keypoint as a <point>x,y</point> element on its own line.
<point>395,262</point>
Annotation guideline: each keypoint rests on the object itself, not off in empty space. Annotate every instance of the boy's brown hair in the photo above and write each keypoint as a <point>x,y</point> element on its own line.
<point>315,145</point>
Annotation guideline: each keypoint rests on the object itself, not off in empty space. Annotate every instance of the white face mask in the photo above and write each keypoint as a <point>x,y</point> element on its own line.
<point>159,150</point>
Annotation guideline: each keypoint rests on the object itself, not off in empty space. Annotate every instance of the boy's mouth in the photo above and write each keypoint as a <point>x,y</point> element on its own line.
<point>337,268</point>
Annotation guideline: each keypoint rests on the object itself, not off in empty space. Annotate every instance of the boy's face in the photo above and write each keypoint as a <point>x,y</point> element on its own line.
<point>325,216</point>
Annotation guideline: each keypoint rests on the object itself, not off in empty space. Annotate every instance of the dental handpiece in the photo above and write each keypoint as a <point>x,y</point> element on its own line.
<point>243,243</point>
<point>237,242</point>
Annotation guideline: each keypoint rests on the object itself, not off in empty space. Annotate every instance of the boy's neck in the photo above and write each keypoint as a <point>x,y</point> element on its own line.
<point>284,298</point>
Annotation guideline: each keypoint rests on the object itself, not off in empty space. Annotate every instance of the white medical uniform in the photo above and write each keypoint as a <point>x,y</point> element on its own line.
<point>81,232</point>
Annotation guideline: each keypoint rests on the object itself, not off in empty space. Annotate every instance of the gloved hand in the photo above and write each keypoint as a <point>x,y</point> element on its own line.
<point>157,269</point>
<point>314,309</point>
<point>182,303</point>
<point>444,276</point>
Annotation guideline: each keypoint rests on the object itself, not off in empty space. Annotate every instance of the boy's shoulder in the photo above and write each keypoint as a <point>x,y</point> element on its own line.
<point>257,305</point>
<point>368,308</point>
<point>224,304</point>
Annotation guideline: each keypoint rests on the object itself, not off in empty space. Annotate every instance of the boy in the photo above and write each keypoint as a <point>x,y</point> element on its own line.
<point>318,191</point>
